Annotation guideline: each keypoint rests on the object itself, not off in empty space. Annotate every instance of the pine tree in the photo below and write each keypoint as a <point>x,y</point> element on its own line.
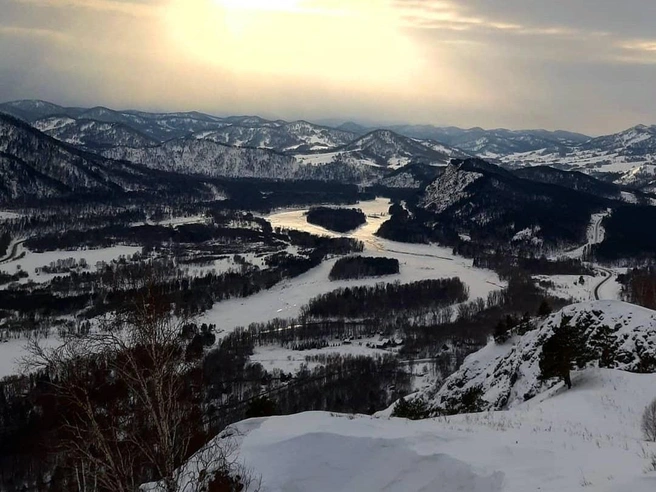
<point>501,332</point>
<point>560,352</point>
<point>544,309</point>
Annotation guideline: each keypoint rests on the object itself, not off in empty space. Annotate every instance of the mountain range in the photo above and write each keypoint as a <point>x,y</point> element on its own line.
<point>36,166</point>
<point>200,144</point>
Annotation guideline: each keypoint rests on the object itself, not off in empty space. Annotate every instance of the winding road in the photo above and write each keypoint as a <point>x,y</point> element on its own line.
<point>609,274</point>
<point>13,253</point>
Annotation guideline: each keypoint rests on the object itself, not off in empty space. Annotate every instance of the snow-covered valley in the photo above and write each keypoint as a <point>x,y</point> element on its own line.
<point>417,262</point>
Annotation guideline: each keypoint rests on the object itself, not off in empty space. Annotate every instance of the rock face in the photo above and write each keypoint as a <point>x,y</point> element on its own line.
<point>451,188</point>
<point>617,335</point>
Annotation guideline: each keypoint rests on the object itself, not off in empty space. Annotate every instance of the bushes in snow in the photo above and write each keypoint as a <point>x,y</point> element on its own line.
<point>415,409</point>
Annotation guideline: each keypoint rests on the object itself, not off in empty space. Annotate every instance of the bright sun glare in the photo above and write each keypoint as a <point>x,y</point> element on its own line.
<point>335,41</point>
<point>259,4</point>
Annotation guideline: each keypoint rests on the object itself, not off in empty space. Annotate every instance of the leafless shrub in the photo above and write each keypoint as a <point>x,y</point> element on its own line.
<point>648,422</point>
<point>131,402</point>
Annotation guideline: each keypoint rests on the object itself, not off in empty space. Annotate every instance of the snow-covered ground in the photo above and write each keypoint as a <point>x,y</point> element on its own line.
<point>561,441</point>
<point>13,350</point>
<point>417,261</point>
<point>287,360</point>
<point>4,215</point>
<point>568,286</point>
<point>32,261</point>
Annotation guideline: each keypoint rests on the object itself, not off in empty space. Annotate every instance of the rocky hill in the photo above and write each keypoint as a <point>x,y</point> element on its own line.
<point>500,376</point>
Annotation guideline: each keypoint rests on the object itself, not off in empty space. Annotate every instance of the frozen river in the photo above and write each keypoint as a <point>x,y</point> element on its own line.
<point>417,262</point>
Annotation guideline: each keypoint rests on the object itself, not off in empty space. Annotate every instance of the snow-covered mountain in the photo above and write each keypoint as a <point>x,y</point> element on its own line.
<point>31,110</point>
<point>492,143</point>
<point>207,158</point>
<point>157,126</point>
<point>92,135</point>
<point>617,336</point>
<point>386,149</point>
<point>623,153</point>
<point>202,157</point>
<point>298,136</point>
<point>485,201</point>
<point>34,166</point>
<point>579,181</point>
<point>628,155</point>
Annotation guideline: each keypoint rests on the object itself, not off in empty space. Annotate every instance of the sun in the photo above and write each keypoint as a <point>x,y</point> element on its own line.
<point>259,4</point>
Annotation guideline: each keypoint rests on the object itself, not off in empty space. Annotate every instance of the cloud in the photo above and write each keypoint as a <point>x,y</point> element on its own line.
<point>138,8</point>
<point>449,15</point>
<point>34,32</point>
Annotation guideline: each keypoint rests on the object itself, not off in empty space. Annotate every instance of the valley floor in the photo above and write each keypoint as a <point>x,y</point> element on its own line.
<point>561,441</point>
<point>418,262</point>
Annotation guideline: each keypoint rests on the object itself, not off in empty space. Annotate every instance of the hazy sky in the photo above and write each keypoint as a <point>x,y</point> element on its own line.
<point>587,65</point>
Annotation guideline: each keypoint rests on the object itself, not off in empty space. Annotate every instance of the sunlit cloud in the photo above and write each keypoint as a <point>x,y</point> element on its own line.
<point>295,38</point>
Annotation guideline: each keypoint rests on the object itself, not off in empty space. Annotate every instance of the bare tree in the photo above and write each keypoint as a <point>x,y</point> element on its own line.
<point>132,401</point>
<point>648,423</point>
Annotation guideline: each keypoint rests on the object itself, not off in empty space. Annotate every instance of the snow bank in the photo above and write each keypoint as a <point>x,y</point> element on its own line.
<point>562,441</point>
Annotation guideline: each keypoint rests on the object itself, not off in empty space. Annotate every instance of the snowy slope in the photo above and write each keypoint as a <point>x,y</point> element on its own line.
<point>619,335</point>
<point>91,134</point>
<point>204,157</point>
<point>295,137</point>
<point>384,148</point>
<point>622,152</point>
<point>559,442</point>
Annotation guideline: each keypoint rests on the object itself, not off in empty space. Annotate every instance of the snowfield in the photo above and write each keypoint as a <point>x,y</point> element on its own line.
<point>32,261</point>
<point>561,441</point>
<point>5,215</point>
<point>290,361</point>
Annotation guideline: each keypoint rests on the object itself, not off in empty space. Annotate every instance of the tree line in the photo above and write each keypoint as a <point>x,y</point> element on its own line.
<point>336,219</point>
<point>367,301</point>
<point>356,267</point>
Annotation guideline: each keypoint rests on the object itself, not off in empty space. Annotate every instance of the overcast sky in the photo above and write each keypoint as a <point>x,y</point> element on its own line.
<point>583,65</point>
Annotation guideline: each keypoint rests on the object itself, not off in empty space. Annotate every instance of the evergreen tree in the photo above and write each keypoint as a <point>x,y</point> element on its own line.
<point>560,352</point>
<point>544,309</point>
<point>501,332</point>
